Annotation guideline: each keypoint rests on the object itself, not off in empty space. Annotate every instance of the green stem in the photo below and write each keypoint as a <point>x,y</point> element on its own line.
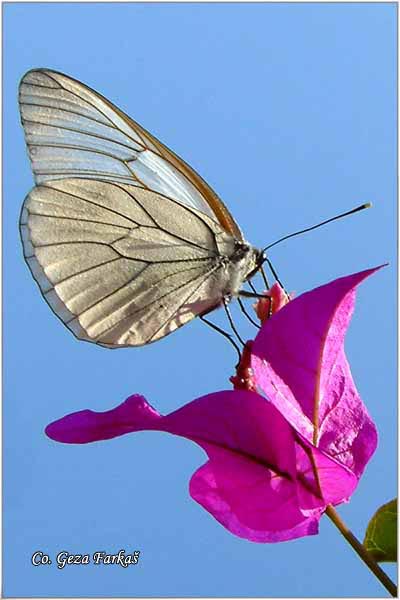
<point>361,551</point>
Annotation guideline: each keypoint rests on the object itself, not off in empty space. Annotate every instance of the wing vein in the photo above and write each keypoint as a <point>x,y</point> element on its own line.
<point>85,242</point>
<point>82,149</point>
<point>81,272</point>
<point>142,260</point>
<point>71,93</point>
<point>157,299</point>
<point>205,277</point>
<point>121,287</point>
<point>78,172</point>
<point>111,210</point>
<point>49,87</point>
<point>81,131</point>
<point>83,220</point>
<point>165,230</point>
<point>66,110</point>
<point>98,109</point>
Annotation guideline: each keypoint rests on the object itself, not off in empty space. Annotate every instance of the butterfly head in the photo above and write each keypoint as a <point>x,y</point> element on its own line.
<point>255,260</point>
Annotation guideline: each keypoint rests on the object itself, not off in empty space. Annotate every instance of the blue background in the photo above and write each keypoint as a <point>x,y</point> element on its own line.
<point>289,112</point>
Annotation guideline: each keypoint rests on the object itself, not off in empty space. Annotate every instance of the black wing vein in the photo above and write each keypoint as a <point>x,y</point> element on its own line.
<point>146,306</point>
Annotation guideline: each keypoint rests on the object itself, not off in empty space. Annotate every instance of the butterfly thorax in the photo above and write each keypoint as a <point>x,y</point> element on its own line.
<point>241,264</point>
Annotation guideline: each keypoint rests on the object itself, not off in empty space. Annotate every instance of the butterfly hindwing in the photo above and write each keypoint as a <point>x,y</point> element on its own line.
<point>117,264</point>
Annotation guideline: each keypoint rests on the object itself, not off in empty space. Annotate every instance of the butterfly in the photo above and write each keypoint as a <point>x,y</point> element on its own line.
<point>125,240</point>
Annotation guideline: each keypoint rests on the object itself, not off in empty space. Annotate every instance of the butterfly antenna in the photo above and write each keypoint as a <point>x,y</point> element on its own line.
<point>346,214</point>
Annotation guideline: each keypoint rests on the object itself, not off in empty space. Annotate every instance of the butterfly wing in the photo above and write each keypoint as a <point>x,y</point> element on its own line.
<point>118,264</point>
<point>72,131</point>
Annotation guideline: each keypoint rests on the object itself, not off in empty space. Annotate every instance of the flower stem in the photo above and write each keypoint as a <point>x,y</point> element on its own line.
<point>362,551</point>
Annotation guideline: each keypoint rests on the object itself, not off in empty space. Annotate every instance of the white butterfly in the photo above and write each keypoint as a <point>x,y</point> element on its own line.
<point>125,240</point>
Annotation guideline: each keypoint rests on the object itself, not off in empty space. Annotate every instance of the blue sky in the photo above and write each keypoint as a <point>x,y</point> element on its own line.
<point>289,112</point>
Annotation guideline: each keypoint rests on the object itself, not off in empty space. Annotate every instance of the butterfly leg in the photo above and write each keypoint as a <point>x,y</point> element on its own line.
<point>244,311</point>
<point>231,323</point>
<point>265,278</point>
<point>251,284</point>
<point>224,333</point>
<point>246,294</point>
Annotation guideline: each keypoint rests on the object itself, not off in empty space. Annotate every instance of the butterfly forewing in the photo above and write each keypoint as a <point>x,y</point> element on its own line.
<point>72,131</point>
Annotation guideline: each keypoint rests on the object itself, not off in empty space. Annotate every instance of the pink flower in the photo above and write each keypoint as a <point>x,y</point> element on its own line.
<point>275,300</point>
<point>270,472</point>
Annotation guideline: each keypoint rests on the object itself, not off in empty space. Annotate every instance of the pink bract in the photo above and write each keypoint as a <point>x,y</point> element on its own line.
<point>299,364</point>
<point>265,479</point>
<point>259,481</point>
